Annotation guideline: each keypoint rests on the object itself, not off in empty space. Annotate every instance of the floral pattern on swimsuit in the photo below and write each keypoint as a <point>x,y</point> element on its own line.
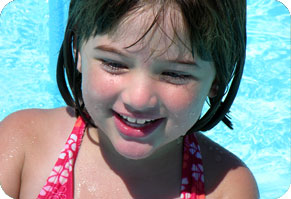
<point>192,185</point>
<point>60,183</point>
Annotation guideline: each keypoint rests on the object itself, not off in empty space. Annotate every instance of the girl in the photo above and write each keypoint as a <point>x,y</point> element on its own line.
<point>135,76</point>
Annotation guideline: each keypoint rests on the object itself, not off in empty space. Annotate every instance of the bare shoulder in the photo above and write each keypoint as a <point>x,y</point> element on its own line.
<point>226,176</point>
<point>17,133</point>
<point>24,124</point>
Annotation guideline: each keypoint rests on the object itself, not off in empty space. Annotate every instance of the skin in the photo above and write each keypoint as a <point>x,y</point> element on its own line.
<point>147,167</point>
<point>141,86</point>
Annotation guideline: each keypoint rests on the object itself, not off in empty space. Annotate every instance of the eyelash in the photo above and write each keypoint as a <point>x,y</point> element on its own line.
<point>113,67</point>
<point>170,77</point>
<point>176,78</point>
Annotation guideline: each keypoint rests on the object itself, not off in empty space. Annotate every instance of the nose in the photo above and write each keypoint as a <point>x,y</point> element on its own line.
<point>139,94</point>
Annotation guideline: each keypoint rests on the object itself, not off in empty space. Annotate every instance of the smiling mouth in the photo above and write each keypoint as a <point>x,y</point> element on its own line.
<point>136,123</point>
<point>134,127</point>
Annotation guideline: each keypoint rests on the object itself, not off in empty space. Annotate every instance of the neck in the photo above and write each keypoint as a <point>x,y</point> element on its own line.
<point>165,159</point>
<point>160,171</point>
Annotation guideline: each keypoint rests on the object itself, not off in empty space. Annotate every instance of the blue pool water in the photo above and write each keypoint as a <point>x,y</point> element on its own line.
<point>30,35</point>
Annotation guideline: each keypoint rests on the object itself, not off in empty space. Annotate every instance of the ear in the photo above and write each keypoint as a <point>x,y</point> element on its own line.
<point>79,64</point>
<point>214,89</point>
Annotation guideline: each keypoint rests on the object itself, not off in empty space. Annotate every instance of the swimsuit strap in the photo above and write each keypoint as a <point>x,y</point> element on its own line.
<point>60,183</point>
<point>192,186</point>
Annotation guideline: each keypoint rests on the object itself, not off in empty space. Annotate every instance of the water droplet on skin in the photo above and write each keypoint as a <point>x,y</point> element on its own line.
<point>91,189</point>
<point>78,190</point>
<point>8,156</point>
<point>12,139</point>
<point>33,140</point>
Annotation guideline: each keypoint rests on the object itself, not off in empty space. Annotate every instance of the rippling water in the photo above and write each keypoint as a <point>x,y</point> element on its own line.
<point>261,112</point>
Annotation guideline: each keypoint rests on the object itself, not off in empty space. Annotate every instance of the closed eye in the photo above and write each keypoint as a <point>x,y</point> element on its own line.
<point>113,66</point>
<point>176,78</point>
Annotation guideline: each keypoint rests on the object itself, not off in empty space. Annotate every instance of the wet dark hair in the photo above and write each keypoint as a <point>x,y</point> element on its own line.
<point>216,29</point>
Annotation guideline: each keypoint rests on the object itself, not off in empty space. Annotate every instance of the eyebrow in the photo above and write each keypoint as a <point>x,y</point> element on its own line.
<point>183,62</point>
<point>110,49</point>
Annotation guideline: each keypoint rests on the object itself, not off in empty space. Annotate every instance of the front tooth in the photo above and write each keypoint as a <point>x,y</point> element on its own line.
<point>140,121</point>
<point>131,120</point>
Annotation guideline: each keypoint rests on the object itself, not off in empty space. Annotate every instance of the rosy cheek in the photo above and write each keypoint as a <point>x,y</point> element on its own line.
<point>179,99</point>
<point>101,86</point>
<point>184,107</point>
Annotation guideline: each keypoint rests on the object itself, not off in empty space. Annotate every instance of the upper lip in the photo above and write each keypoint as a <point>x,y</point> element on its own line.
<point>140,115</point>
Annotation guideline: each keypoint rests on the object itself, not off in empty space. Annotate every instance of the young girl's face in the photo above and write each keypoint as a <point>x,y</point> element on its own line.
<point>146,96</point>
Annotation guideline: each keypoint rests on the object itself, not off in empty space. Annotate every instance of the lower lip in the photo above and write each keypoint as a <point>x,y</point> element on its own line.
<point>130,131</point>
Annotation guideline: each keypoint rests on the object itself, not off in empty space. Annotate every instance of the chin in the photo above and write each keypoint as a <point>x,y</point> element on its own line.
<point>134,150</point>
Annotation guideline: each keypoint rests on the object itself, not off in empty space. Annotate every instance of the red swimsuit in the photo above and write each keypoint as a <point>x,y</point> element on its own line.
<point>60,183</point>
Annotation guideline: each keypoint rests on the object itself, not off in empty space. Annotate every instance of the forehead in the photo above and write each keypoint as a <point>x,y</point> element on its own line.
<point>154,30</point>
